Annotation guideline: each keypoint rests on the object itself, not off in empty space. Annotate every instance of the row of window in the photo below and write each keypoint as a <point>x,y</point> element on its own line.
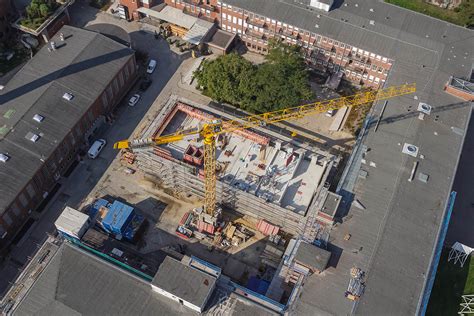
<point>310,36</point>
<point>193,8</point>
<point>51,169</point>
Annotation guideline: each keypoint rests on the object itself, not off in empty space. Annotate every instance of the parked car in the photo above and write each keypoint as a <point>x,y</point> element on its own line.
<point>134,100</point>
<point>151,66</point>
<point>96,148</point>
<point>330,113</point>
<point>146,82</point>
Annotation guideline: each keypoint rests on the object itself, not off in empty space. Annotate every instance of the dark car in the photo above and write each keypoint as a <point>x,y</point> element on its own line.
<point>146,82</point>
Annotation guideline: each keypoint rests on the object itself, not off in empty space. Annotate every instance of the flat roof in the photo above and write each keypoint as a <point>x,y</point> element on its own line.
<point>185,282</point>
<point>394,237</point>
<point>221,39</point>
<point>83,65</point>
<point>331,204</point>
<point>312,256</point>
<point>71,220</point>
<point>77,283</point>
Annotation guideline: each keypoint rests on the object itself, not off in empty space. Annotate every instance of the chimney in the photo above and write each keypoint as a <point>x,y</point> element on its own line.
<point>53,45</point>
<point>61,36</point>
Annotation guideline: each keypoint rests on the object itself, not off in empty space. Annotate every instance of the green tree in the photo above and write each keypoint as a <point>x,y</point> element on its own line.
<point>44,10</point>
<point>32,10</point>
<point>281,82</point>
<point>226,79</point>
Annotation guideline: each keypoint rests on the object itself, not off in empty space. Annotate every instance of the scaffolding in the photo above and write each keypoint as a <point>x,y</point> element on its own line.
<point>459,253</point>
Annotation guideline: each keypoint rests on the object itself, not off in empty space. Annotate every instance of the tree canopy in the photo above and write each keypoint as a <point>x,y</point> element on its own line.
<point>280,82</point>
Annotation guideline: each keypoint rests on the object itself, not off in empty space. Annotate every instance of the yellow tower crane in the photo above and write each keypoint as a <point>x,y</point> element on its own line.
<point>209,131</point>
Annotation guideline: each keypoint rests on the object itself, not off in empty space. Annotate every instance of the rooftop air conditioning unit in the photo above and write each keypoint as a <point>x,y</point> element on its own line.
<point>38,118</point>
<point>68,96</point>
<point>4,157</point>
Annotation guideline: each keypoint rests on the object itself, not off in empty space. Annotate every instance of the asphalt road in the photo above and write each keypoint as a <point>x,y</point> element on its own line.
<point>82,180</point>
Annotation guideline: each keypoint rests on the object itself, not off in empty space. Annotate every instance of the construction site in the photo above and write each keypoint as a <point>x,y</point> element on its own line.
<point>258,174</point>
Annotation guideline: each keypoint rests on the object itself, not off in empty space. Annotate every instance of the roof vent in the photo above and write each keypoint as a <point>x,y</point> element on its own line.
<point>372,22</point>
<point>32,136</point>
<point>68,96</point>
<point>424,108</point>
<point>38,118</point>
<point>53,45</point>
<point>4,157</point>
<point>371,10</point>
<point>410,149</point>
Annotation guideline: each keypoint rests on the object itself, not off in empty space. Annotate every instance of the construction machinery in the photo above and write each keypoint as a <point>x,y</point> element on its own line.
<point>210,131</point>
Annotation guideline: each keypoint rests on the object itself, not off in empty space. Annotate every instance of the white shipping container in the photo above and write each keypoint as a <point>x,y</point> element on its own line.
<point>72,222</point>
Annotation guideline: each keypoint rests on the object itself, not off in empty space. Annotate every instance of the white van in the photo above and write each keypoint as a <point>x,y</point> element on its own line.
<point>151,66</point>
<point>96,148</point>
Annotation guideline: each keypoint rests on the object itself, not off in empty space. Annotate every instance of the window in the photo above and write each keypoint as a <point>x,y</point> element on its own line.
<point>7,219</point>
<point>240,21</point>
<point>330,41</point>
<point>23,200</point>
<point>90,115</point>
<point>378,57</point>
<point>224,16</point>
<point>15,209</point>
<point>384,59</point>
<point>105,102</point>
<point>234,20</point>
<point>4,157</point>
<point>110,93</point>
<point>380,70</point>
<point>121,81</point>
<point>336,43</point>
<point>318,39</point>
<point>374,67</point>
<point>116,86</point>
<point>30,190</point>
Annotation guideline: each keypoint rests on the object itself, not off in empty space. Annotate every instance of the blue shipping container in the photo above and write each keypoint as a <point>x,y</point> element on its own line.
<point>118,217</point>
<point>133,227</point>
<point>94,208</point>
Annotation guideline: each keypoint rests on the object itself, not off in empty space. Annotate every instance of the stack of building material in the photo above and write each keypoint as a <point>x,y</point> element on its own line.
<point>202,226</point>
<point>266,228</point>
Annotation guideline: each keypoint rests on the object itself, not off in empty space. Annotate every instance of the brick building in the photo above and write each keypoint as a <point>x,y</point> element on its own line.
<point>246,19</point>
<point>50,110</point>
